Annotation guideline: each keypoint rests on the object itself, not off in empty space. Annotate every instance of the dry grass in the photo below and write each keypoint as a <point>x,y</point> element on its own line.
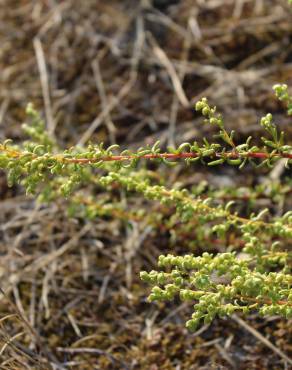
<point>127,72</point>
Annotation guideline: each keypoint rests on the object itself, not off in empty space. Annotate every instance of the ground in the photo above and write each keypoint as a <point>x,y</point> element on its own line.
<point>129,72</point>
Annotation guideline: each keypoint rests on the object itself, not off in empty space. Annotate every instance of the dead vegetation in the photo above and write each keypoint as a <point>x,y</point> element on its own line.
<point>128,72</point>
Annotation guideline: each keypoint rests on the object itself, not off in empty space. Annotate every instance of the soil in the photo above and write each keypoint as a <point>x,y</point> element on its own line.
<point>129,72</point>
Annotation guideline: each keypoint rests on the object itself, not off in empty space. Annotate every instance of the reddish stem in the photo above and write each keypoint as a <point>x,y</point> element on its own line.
<point>230,155</point>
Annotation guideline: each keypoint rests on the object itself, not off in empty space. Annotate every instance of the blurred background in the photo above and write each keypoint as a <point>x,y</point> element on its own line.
<point>127,72</point>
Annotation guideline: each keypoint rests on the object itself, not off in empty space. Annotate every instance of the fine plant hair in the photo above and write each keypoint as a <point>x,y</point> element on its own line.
<point>254,271</point>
